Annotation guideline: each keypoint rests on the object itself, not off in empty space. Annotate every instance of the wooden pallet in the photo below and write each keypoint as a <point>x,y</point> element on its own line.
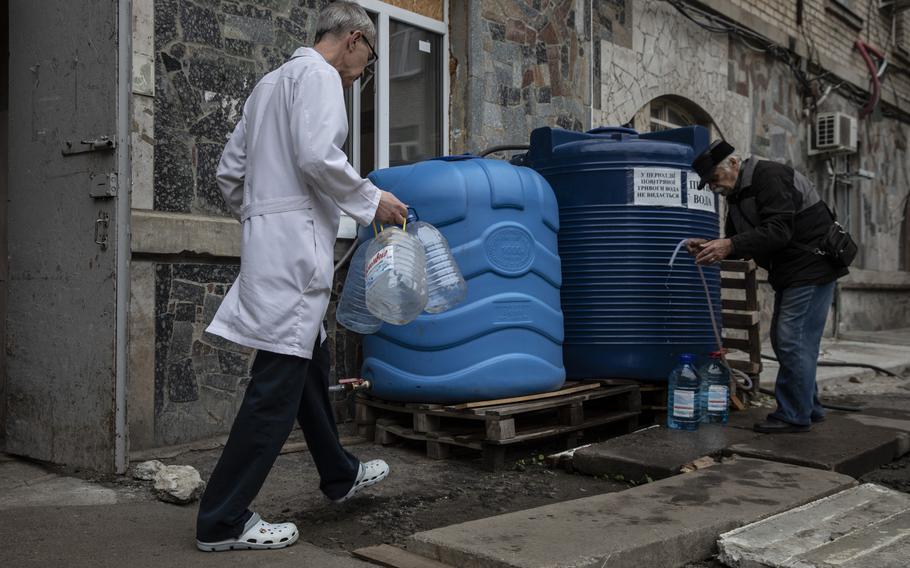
<point>491,426</point>
<point>653,399</point>
<point>742,314</point>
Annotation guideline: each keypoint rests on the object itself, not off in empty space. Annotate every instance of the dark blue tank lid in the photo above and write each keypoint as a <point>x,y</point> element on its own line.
<point>616,144</point>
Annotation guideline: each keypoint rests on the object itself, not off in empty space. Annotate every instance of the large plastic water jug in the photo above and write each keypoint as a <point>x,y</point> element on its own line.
<point>352,310</point>
<point>682,395</point>
<point>715,389</point>
<point>396,281</point>
<point>445,284</point>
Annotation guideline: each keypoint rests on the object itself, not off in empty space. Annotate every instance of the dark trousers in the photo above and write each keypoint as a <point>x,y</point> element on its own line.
<point>281,388</point>
<point>796,334</point>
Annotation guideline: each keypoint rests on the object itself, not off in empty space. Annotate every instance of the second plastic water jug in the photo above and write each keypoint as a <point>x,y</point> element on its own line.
<point>445,284</point>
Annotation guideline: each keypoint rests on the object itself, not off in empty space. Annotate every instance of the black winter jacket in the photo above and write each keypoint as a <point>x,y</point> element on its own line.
<point>772,209</point>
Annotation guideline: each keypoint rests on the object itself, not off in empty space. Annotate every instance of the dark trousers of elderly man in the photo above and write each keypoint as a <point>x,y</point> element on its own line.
<point>776,217</point>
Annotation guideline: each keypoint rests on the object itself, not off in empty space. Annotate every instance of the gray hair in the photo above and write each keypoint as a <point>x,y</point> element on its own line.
<point>341,18</point>
<point>726,162</point>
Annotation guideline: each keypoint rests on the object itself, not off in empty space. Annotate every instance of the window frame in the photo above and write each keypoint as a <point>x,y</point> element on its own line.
<point>664,106</point>
<point>384,13</point>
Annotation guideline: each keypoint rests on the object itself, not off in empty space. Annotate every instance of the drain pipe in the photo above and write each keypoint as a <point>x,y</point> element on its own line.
<point>124,177</point>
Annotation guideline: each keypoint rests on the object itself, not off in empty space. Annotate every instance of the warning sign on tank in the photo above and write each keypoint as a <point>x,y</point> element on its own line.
<point>698,198</point>
<point>657,186</point>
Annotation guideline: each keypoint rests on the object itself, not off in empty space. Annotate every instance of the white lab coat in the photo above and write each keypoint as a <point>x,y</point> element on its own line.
<point>283,173</point>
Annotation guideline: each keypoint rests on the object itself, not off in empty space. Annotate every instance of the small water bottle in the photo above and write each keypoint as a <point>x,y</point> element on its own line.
<point>716,386</point>
<point>352,310</point>
<point>396,279</point>
<point>445,284</point>
<point>682,395</point>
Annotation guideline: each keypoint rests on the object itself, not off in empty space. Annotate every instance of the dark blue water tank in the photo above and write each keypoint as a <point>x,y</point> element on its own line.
<point>505,338</point>
<point>625,201</point>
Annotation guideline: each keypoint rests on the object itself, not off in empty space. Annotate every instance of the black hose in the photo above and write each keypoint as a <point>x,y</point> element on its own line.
<point>838,364</point>
<point>824,404</point>
<point>493,149</point>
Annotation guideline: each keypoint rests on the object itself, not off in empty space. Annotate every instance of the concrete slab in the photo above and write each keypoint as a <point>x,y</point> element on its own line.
<point>139,535</point>
<point>665,523</point>
<point>841,443</point>
<point>865,526</point>
<point>25,484</point>
<point>59,491</point>
<point>656,452</point>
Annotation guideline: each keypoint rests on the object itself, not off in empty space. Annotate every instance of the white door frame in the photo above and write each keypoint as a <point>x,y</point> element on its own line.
<point>386,12</point>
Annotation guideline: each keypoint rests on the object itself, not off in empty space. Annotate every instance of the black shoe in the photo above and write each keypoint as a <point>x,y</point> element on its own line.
<point>772,426</point>
<point>819,418</point>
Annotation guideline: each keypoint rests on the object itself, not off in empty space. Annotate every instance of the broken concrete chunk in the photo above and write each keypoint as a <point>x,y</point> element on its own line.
<point>146,470</point>
<point>179,484</point>
<point>865,526</point>
<point>700,463</point>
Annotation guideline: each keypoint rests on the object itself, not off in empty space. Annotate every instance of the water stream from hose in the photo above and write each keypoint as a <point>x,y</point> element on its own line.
<point>747,381</point>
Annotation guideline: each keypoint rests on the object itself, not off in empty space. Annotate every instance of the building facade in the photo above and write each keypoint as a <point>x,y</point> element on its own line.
<point>460,76</point>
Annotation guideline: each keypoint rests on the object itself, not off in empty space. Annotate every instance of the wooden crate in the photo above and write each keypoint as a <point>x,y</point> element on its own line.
<point>743,314</point>
<point>491,426</point>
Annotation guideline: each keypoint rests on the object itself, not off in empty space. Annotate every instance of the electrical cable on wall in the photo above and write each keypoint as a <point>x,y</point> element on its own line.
<point>757,43</point>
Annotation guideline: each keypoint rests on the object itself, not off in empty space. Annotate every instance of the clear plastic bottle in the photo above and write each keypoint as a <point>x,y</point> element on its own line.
<point>352,310</point>
<point>396,280</point>
<point>682,395</point>
<point>446,287</point>
<point>716,388</point>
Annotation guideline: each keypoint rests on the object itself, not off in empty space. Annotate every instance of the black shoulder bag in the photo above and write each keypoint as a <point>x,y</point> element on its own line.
<point>836,244</point>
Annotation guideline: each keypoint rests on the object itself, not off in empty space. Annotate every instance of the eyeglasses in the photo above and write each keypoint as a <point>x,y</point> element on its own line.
<point>373,56</point>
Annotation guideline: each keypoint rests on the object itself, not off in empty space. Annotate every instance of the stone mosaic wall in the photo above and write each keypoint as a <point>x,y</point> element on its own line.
<point>756,104</point>
<point>199,377</point>
<point>525,64</point>
<point>645,50</point>
<point>779,132</point>
<point>209,56</point>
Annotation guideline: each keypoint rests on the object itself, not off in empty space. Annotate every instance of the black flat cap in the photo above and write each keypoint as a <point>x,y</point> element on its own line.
<point>705,162</point>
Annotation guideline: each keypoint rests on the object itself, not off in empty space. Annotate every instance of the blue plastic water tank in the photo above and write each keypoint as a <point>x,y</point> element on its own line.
<point>625,201</point>
<point>505,338</point>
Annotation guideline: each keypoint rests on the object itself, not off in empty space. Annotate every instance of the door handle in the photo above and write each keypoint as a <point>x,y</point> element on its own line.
<point>101,226</point>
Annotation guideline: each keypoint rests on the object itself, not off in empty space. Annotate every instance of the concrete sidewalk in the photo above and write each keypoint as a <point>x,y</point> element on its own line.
<point>851,443</point>
<point>49,519</point>
<point>74,522</point>
<point>138,535</point>
<point>662,524</point>
<point>888,349</point>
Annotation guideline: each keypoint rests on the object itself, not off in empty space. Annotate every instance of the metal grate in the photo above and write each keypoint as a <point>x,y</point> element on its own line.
<point>825,134</point>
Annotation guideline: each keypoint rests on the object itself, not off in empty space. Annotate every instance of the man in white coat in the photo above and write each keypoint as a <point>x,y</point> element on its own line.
<point>283,173</point>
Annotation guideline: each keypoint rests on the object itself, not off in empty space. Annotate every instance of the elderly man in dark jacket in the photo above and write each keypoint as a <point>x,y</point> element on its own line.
<point>776,217</point>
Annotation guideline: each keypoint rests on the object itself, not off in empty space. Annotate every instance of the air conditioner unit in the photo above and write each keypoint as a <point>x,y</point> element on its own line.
<point>833,132</point>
